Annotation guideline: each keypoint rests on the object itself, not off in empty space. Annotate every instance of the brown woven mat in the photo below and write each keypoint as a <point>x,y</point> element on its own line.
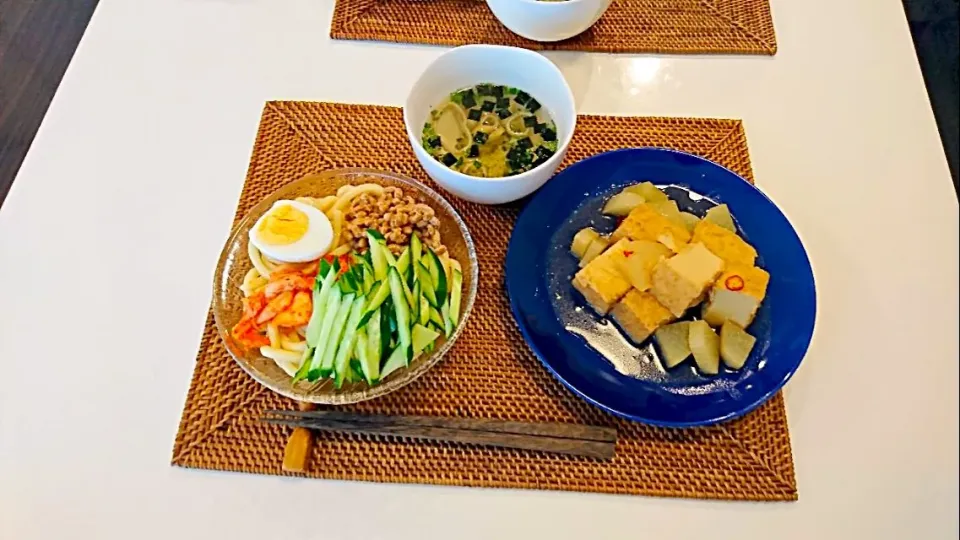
<point>661,26</point>
<point>490,373</point>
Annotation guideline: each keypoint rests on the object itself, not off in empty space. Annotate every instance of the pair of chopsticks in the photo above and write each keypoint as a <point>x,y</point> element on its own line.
<point>576,440</point>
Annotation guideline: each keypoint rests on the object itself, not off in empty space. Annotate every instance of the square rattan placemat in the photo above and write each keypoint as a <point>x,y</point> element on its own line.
<point>490,373</point>
<point>661,26</point>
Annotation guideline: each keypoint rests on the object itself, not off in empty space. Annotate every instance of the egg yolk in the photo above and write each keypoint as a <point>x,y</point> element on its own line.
<point>284,225</point>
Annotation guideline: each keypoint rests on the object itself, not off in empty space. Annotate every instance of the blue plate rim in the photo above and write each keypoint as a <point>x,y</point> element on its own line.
<point>518,318</point>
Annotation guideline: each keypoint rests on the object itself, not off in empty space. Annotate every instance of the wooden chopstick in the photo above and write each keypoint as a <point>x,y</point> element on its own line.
<point>296,455</point>
<point>578,440</point>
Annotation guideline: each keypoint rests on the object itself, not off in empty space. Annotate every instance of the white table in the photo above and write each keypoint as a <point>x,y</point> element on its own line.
<point>109,238</point>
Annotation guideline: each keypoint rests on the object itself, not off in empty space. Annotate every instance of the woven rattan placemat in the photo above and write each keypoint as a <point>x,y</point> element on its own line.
<point>662,26</point>
<point>490,373</point>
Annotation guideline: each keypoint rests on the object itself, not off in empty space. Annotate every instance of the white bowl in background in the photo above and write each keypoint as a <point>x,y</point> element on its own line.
<point>548,21</point>
<point>470,65</point>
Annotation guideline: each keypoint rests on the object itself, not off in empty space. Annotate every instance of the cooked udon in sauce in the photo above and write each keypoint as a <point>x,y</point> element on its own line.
<point>490,131</point>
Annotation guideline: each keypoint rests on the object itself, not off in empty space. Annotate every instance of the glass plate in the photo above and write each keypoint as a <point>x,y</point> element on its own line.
<point>234,264</point>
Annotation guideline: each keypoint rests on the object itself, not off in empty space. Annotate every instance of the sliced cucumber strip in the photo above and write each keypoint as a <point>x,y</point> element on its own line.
<point>397,360</point>
<point>391,323</point>
<point>304,365</point>
<point>386,315</point>
<point>422,337</point>
<point>330,314</point>
<point>374,345</point>
<point>424,313</point>
<point>447,321</point>
<point>429,288</point>
<point>348,282</point>
<point>376,256</point>
<point>382,292</point>
<point>436,318</point>
<point>447,270</point>
<point>319,308</point>
<point>388,255</point>
<point>354,372</point>
<point>364,261</point>
<point>415,306</point>
<point>408,293</point>
<point>456,290</point>
<point>339,323</point>
<point>433,268</point>
<point>369,365</point>
<point>400,307</point>
<point>416,249</point>
<point>348,342</point>
<point>368,280</point>
<point>403,262</point>
<point>438,274</point>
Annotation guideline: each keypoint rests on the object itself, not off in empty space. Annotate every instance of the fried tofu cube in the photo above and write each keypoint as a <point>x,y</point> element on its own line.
<point>611,257</point>
<point>639,314</point>
<point>745,279</point>
<point>724,243</point>
<point>601,282</point>
<point>681,281</point>
<point>600,287</point>
<point>736,295</point>
<point>646,223</point>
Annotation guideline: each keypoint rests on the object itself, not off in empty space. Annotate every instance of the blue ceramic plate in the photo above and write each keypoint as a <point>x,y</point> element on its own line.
<point>591,356</point>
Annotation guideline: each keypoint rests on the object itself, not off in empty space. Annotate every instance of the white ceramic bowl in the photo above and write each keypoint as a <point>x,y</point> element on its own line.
<point>474,64</point>
<point>548,21</point>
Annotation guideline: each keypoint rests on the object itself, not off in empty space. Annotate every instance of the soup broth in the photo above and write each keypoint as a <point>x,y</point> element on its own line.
<point>490,131</point>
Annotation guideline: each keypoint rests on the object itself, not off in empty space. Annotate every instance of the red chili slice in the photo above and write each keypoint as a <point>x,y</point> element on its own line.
<point>734,283</point>
<point>627,253</point>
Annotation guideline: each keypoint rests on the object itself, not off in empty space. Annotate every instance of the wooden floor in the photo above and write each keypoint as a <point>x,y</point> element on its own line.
<point>37,41</point>
<point>38,38</point>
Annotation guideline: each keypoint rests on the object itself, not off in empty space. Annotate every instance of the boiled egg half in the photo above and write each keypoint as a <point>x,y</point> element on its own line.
<point>292,232</point>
